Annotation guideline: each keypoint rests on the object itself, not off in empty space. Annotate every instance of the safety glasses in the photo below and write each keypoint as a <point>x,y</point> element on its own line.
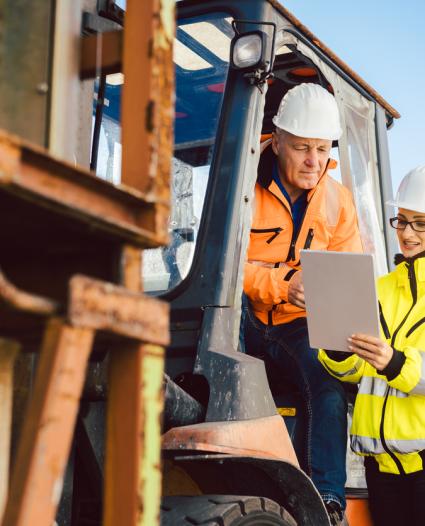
<point>401,224</point>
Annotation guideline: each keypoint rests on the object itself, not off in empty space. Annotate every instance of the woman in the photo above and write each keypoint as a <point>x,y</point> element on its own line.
<point>389,413</point>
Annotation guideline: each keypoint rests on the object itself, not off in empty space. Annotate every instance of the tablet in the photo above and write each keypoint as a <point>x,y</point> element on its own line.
<point>340,297</point>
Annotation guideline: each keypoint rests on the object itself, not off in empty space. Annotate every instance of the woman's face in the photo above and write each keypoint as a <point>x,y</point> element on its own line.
<point>411,242</point>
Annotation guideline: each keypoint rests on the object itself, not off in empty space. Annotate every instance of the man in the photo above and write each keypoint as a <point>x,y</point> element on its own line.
<point>298,205</point>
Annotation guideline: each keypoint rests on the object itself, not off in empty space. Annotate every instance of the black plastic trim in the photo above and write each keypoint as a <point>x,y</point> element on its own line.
<point>415,326</point>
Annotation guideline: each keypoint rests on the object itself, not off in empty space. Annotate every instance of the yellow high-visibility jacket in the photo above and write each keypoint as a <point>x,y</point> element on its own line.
<point>329,223</point>
<point>389,414</point>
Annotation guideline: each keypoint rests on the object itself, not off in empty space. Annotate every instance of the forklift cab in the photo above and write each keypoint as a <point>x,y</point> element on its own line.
<point>234,61</point>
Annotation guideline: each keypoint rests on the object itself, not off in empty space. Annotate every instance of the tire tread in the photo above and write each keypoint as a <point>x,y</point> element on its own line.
<point>216,510</point>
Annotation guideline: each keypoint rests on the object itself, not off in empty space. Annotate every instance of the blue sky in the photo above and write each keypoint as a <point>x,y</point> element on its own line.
<point>384,42</point>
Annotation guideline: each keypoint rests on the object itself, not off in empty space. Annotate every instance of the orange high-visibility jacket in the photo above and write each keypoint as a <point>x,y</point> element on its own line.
<point>329,223</point>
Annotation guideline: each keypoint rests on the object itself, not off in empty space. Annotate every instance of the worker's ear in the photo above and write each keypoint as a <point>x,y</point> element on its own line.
<point>275,143</point>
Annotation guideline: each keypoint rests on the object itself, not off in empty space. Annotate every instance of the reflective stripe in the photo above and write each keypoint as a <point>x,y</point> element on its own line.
<point>371,385</point>
<point>365,445</point>
<point>353,370</point>
<point>397,393</point>
<point>332,202</point>
<point>369,445</point>
<point>420,386</point>
<point>406,446</point>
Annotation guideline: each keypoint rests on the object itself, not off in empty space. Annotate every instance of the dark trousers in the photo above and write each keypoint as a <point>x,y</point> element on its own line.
<point>395,500</point>
<point>325,441</point>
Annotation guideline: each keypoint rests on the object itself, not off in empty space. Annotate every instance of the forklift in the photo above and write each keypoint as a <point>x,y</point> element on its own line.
<point>232,463</point>
<point>229,430</point>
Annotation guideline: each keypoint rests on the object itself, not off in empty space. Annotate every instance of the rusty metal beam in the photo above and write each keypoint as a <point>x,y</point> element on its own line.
<point>123,433</point>
<point>132,470</point>
<point>33,174</point>
<point>102,306</point>
<point>150,475</point>
<point>101,52</point>
<point>147,104</point>
<point>13,298</point>
<point>48,427</point>
<point>8,351</point>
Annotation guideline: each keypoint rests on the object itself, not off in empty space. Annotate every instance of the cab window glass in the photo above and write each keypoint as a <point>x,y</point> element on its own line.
<point>201,58</point>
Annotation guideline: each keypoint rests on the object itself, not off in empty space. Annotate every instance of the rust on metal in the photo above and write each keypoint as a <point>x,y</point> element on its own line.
<point>317,42</point>
<point>126,218</point>
<point>152,406</point>
<point>12,297</point>
<point>147,114</point>
<point>31,173</point>
<point>110,56</point>
<point>9,349</point>
<point>48,427</point>
<point>124,435</point>
<point>131,263</point>
<point>262,437</point>
<point>102,306</point>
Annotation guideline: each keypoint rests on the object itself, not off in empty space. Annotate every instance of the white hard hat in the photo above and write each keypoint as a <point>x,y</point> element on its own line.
<point>310,111</point>
<point>411,192</point>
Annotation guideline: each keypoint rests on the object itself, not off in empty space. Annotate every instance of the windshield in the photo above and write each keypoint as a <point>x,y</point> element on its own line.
<point>201,57</point>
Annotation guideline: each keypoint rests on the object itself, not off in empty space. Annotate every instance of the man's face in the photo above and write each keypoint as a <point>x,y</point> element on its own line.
<point>301,161</point>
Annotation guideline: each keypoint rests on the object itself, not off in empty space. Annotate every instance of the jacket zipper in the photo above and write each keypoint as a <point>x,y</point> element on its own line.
<point>381,434</point>
<point>291,252</point>
<point>384,324</point>
<point>276,231</point>
<point>415,326</point>
<point>414,291</point>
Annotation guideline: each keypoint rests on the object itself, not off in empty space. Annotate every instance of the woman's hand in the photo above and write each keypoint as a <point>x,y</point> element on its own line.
<point>375,351</point>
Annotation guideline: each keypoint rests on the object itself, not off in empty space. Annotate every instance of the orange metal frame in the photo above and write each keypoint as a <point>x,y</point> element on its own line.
<point>134,216</point>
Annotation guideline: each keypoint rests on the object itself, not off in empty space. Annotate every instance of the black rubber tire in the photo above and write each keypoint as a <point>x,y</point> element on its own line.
<point>223,510</point>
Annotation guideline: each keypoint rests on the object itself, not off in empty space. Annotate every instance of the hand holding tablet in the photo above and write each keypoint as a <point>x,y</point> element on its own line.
<point>340,297</point>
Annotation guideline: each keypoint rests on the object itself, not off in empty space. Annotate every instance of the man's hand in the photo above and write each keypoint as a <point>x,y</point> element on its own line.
<point>375,351</point>
<point>296,290</point>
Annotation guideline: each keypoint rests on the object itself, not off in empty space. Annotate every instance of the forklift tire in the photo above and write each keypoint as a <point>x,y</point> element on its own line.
<point>223,510</point>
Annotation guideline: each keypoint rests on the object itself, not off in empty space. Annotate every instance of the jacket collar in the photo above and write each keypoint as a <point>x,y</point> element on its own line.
<point>418,261</point>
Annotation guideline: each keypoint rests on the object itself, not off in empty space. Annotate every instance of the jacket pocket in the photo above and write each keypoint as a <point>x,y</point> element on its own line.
<point>309,239</point>
<point>273,231</point>
<point>415,326</point>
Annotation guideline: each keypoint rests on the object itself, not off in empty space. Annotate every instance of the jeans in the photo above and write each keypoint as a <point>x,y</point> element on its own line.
<point>395,500</point>
<point>325,442</point>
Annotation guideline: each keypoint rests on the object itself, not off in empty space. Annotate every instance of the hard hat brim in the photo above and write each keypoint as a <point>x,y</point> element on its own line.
<point>405,205</point>
<point>309,134</point>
